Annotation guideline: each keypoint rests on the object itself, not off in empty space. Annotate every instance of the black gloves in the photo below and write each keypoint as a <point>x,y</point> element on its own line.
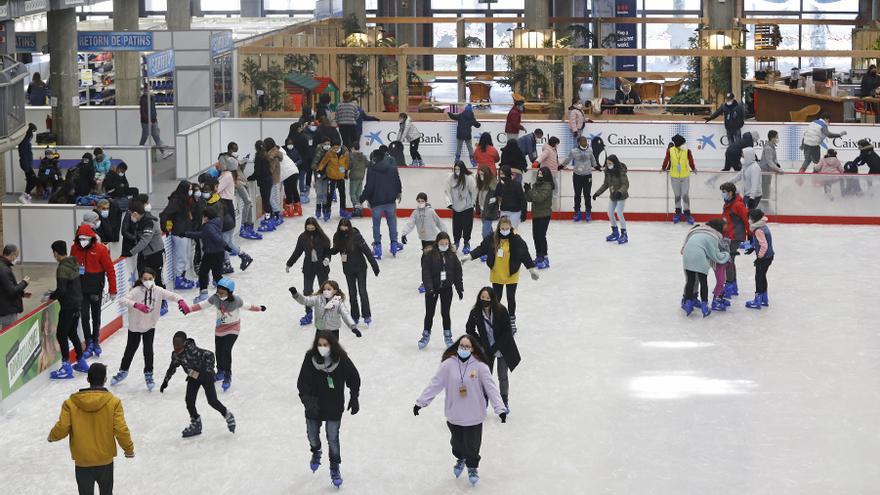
<point>595,196</point>
<point>460,295</point>
<point>448,207</point>
<point>356,332</point>
<point>353,405</point>
<point>616,195</point>
<point>403,239</point>
<point>292,290</point>
<point>750,250</point>
<point>376,271</point>
<point>416,410</point>
<point>164,386</point>
<point>523,216</point>
<point>262,308</point>
<point>561,167</point>
<point>503,417</point>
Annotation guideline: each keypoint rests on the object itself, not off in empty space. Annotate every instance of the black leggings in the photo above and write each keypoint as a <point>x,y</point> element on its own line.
<point>539,235</point>
<point>414,149</point>
<point>761,267</point>
<point>690,282</point>
<point>206,381</point>
<point>340,185</point>
<point>445,296</point>
<point>511,296</point>
<point>223,345</point>
<point>134,340</point>
<point>31,180</point>
<point>265,197</point>
<point>291,189</point>
<point>583,185</point>
<point>309,277</point>
<point>86,477</point>
<point>462,225</point>
<point>466,441</point>
<point>90,312</point>
<point>357,284</point>
<point>211,263</point>
<point>67,319</point>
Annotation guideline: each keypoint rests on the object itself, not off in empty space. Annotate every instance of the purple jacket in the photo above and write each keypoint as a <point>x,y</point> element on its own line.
<point>471,409</point>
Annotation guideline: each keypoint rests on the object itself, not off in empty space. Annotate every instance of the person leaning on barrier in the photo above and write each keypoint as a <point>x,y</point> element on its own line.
<point>11,290</point>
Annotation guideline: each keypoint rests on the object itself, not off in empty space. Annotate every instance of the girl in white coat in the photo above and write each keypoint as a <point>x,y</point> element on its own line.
<point>409,133</point>
<point>461,196</point>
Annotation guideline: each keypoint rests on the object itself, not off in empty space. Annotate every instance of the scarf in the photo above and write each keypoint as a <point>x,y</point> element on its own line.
<point>327,366</point>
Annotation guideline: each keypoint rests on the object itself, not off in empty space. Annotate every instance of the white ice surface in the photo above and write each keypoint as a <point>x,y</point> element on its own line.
<point>617,392</point>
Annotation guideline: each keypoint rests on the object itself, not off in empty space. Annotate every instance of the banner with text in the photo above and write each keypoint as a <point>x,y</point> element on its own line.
<point>626,35</point>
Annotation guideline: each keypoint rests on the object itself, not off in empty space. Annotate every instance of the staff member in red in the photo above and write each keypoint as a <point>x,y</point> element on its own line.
<point>95,264</point>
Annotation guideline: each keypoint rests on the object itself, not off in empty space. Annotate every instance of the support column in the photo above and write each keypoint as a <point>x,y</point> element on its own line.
<point>254,8</point>
<point>564,8</point>
<point>349,7</point>
<point>459,35</point>
<point>179,15</point>
<point>63,75</point>
<point>538,14</point>
<point>720,18</point>
<point>402,87</point>
<point>126,64</point>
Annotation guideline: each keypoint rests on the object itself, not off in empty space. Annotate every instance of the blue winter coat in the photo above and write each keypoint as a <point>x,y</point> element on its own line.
<point>211,236</point>
<point>466,120</point>
<point>383,183</point>
<point>701,251</point>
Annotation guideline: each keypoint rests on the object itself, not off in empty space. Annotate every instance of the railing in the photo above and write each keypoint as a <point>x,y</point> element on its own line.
<point>12,100</point>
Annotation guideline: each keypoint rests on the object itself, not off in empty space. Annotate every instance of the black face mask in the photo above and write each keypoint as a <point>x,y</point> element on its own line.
<point>485,304</point>
<point>310,232</point>
<point>343,233</point>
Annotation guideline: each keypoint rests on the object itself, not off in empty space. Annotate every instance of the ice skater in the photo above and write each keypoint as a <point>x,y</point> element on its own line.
<point>213,246</point>
<point>617,182</point>
<point>489,324</point>
<point>463,132</point>
<point>815,134</point>
<point>198,364</point>
<point>228,325</point>
<point>329,307</point>
<point>352,249</point>
<point>325,372</point>
<point>144,301</point>
<point>505,251</point>
<point>95,265</point>
<point>314,244</point>
<point>679,162</point>
<point>461,196</point>
<point>736,228</point>
<point>441,272</point>
<point>764,257</point>
<point>510,197</point>
<point>487,203</point>
<point>582,162</point>
<point>68,293</point>
<point>541,196</point>
<point>700,253</point>
<point>465,377</point>
<point>427,224</point>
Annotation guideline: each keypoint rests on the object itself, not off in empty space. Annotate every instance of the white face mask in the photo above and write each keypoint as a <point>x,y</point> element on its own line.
<point>121,174</point>
<point>206,195</point>
<point>327,293</point>
<point>149,284</point>
<point>324,351</point>
<point>289,146</point>
<point>456,173</point>
<point>443,247</point>
<point>104,213</point>
<point>505,231</point>
<point>222,298</point>
<point>148,207</point>
<point>97,224</point>
<point>582,147</point>
<point>84,242</point>
<point>190,193</point>
<point>325,147</point>
<point>17,260</point>
<point>421,205</point>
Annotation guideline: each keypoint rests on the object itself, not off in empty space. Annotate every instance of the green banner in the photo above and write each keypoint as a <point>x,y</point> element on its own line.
<point>27,349</point>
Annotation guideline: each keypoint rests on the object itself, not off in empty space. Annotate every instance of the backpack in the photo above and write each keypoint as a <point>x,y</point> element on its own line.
<point>850,168</point>
<point>598,146</point>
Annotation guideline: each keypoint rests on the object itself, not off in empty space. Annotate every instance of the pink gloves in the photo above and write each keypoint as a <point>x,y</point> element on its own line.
<point>184,308</point>
<point>143,308</point>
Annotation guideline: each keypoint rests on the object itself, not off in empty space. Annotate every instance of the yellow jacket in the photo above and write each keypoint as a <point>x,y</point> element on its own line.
<point>679,162</point>
<point>93,418</point>
<point>335,166</point>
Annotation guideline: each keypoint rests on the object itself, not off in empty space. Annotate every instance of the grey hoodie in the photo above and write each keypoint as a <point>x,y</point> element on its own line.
<point>149,236</point>
<point>426,222</point>
<point>769,163</point>
<point>326,318</point>
<point>583,161</point>
<point>750,174</point>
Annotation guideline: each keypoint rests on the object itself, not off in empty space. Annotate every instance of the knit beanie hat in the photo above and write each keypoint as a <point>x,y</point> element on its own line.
<point>678,140</point>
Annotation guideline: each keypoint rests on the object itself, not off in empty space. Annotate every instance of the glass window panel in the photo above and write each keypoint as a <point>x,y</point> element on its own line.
<point>790,41</point>
<point>503,37</point>
<point>222,5</point>
<point>372,4</point>
<point>292,4</point>
<point>477,31</point>
<point>827,37</point>
<point>677,5</point>
<point>831,5</point>
<point>509,4</point>
<point>444,37</point>
<point>668,36</point>
<point>156,5</point>
<point>773,5</point>
<point>106,6</point>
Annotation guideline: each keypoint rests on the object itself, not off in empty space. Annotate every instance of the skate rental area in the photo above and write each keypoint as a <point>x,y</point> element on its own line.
<point>377,247</point>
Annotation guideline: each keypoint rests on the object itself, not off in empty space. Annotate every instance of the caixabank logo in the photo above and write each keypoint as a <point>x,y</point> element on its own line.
<point>636,141</point>
<point>375,139</point>
<point>848,143</point>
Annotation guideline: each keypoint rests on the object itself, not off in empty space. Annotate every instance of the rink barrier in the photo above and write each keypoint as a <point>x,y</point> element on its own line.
<point>111,125</point>
<point>29,346</point>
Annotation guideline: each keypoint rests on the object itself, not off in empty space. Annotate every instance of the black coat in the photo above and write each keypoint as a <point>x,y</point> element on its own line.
<point>519,252</point>
<point>870,158</point>
<point>734,152</point>
<point>466,119</point>
<point>621,99</point>
<point>434,262</point>
<point>734,115</point>
<point>262,171</point>
<point>85,178</point>
<point>325,132</point>
<point>513,198</point>
<point>115,185</point>
<point>178,211</point>
<point>356,256</point>
<point>11,290</point>
<point>322,401</point>
<point>504,342</point>
<point>309,266</point>
<point>108,231</point>
<point>192,359</point>
<point>513,157</point>
<point>68,290</point>
<point>128,232</point>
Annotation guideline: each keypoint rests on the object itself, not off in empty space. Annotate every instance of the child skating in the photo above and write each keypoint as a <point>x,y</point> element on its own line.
<point>427,224</point>
<point>764,257</point>
<point>329,307</point>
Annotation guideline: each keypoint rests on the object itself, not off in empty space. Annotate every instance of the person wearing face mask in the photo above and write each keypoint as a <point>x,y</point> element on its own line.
<point>679,162</point>
<point>274,155</point>
<point>226,191</point>
<point>736,228</point>
<point>409,133</point>
<point>144,301</point>
<point>213,245</point>
<point>870,82</point>
<point>576,118</point>
<point>325,372</point>
<point>487,203</point>
<point>321,182</point>
<point>176,219</point>
<point>582,162</point>
<point>355,254</point>
<point>95,265</point>
<point>109,217</point>
<point>116,184</point>
<point>11,290</point>
<point>68,293</point>
<point>734,118</point>
<point>48,175</point>
<point>465,377</point>
<point>700,252</point>
<point>513,122</point>
<point>486,155</point>
<point>359,165</point>
<point>505,251</point>
<point>489,324</point>
<point>150,247</point>
<point>84,176</point>
<point>750,175</point>
<point>512,156</point>
<point>334,166</point>
<point>26,163</point>
<point>426,222</point>
<point>292,207</point>
<point>510,197</point>
<point>617,182</point>
<point>441,272</point>
<point>102,167</point>
<point>329,308</point>
<point>128,230</point>
<point>382,191</point>
<point>463,132</point>
<point>461,196</point>
<point>346,119</point>
<point>300,141</point>
<point>549,156</point>
<point>541,196</point>
<point>263,176</point>
<point>228,325</point>
<point>769,162</point>
<point>314,245</point>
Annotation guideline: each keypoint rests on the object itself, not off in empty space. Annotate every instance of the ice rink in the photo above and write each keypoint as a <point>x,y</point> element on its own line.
<point>618,392</point>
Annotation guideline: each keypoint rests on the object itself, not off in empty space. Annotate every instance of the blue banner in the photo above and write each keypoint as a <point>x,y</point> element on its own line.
<point>112,41</point>
<point>160,63</point>
<point>626,35</point>
<point>221,42</point>
<point>26,42</point>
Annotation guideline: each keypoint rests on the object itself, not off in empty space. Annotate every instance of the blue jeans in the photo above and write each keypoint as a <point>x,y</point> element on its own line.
<point>180,254</point>
<point>313,430</point>
<point>617,206</point>
<point>390,212</point>
<point>487,228</point>
<point>228,236</point>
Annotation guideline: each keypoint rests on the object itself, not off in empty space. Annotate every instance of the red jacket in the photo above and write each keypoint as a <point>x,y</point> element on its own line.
<point>737,217</point>
<point>514,121</point>
<point>95,259</point>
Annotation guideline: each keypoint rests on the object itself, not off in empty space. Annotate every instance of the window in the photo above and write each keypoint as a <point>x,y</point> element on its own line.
<point>477,31</point>
<point>668,36</point>
<point>444,37</point>
<point>502,37</point>
<point>296,4</point>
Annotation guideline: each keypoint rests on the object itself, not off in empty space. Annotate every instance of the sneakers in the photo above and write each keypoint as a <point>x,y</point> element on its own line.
<point>246,261</point>
<point>194,428</point>
<point>458,468</point>
<point>230,421</point>
<point>63,373</point>
<point>426,337</point>
<point>447,336</point>
<point>118,377</point>
<point>148,379</point>
<point>615,235</point>
<point>25,198</point>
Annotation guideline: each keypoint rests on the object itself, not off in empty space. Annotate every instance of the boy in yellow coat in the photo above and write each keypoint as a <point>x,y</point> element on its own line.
<point>94,420</point>
<point>335,165</point>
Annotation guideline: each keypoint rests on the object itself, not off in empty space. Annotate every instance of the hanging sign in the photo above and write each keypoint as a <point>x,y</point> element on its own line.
<point>160,63</point>
<point>26,42</point>
<point>113,41</point>
<point>626,35</point>
<point>221,42</point>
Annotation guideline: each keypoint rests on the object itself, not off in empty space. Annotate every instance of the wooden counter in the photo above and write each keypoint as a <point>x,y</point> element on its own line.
<point>773,103</point>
